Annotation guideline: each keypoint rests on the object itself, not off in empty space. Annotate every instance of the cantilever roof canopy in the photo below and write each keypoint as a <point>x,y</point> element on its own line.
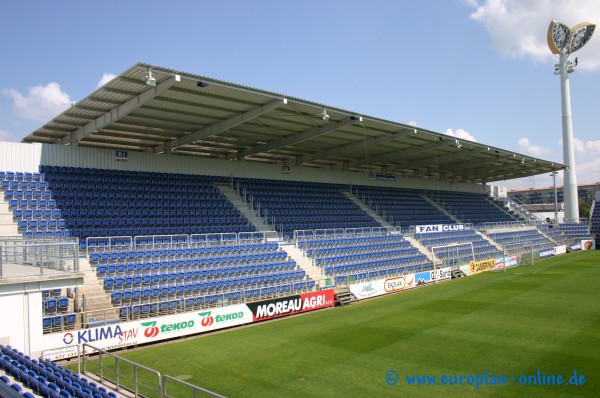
<point>185,114</point>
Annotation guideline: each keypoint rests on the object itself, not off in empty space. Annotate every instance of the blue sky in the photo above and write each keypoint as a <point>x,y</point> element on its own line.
<point>477,69</point>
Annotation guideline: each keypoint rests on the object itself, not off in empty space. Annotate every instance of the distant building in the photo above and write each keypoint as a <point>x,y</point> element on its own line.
<point>540,196</point>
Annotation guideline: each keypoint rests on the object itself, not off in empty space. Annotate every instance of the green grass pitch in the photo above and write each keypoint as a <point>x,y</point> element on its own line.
<point>542,318</point>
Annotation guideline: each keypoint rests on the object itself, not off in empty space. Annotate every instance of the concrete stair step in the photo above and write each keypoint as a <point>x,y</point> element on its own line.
<point>367,209</point>
<point>305,263</point>
<point>244,208</point>
<point>6,219</point>
<point>419,246</point>
<point>440,208</point>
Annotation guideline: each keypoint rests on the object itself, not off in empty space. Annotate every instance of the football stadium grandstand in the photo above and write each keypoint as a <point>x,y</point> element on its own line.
<point>173,206</point>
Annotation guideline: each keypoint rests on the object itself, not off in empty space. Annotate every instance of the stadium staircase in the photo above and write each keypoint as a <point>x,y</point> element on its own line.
<point>343,296</point>
<point>551,238</point>
<point>520,209</point>
<point>305,263</point>
<point>488,239</point>
<point>8,227</point>
<point>243,207</point>
<point>366,209</point>
<point>420,246</point>
<point>517,216</point>
<point>441,209</point>
<point>93,299</point>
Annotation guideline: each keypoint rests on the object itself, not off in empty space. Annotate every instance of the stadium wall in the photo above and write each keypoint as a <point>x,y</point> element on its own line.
<point>21,324</point>
<point>28,156</point>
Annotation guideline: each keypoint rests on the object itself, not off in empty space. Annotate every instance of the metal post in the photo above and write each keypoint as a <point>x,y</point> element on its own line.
<point>570,178</point>
<point>554,173</point>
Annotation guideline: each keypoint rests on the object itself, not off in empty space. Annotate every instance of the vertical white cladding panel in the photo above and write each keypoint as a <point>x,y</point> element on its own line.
<point>27,157</point>
<point>13,321</point>
<point>15,156</point>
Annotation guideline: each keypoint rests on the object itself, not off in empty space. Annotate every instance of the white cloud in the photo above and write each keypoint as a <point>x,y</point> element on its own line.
<point>518,28</point>
<point>8,136</point>
<point>588,171</point>
<point>584,147</point>
<point>579,145</point>
<point>413,123</point>
<point>41,103</point>
<point>593,146</point>
<point>106,77</point>
<point>462,134</point>
<point>535,150</point>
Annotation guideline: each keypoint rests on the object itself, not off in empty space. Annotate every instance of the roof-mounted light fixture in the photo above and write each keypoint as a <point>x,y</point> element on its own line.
<point>324,115</point>
<point>201,84</point>
<point>457,144</point>
<point>150,80</point>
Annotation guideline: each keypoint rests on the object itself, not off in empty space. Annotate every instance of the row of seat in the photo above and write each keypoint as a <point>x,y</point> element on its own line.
<point>202,259</point>
<point>32,204</point>
<point>23,184</point>
<point>108,222</point>
<point>471,208</point>
<point>85,233</point>
<point>42,224</point>
<point>28,213</point>
<point>55,304</point>
<point>46,378</point>
<point>160,242</point>
<point>41,234</point>
<point>149,309</point>
<point>180,267</point>
<point>135,186</point>
<point>142,200</point>
<point>518,236</point>
<point>289,228</point>
<point>349,240</point>
<point>59,322</point>
<point>183,289</point>
<point>373,259</point>
<point>27,194</point>
<point>208,279</point>
<point>16,387</point>
<point>125,212</point>
<point>20,176</point>
<point>358,249</point>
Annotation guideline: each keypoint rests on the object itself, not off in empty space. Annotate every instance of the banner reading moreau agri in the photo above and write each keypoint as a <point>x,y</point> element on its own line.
<point>125,334</point>
<point>283,306</point>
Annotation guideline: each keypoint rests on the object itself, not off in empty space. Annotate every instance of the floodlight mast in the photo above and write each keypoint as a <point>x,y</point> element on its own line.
<point>563,41</point>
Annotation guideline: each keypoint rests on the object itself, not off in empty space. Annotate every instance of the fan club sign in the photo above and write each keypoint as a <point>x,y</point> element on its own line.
<point>427,229</point>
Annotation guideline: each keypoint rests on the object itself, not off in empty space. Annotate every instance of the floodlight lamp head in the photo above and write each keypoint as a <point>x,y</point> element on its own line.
<point>201,84</point>
<point>324,115</point>
<point>457,144</point>
<point>562,40</point>
<point>581,34</point>
<point>150,80</point>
